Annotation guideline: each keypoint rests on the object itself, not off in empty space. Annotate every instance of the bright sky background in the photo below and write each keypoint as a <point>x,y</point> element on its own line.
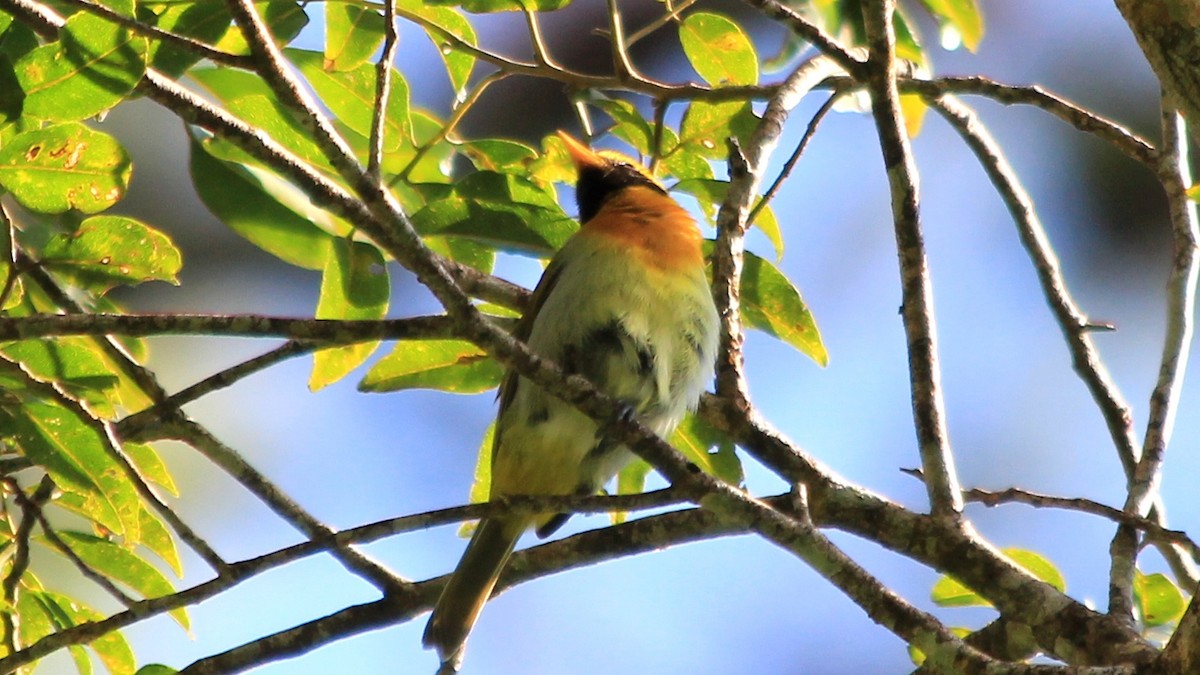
<point>1017,413</point>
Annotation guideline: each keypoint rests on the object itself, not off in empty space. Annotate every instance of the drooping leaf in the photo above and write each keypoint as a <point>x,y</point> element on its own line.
<point>62,167</point>
<point>238,199</point>
<point>95,65</point>
<point>454,366</point>
<point>481,484</point>
<point>631,480</point>
<point>628,123</point>
<point>718,49</point>
<point>110,250</point>
<point>354,285</point>
<point>352,34</point>
<point>771,303</point>
<point>710,194</point>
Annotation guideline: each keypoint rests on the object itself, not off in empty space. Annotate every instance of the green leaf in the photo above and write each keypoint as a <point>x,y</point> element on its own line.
<point>718,49</point>
<point>74,453</point>
<point>62,167</point>
<point>499,155</point>
<point>112,648</point>
<point>352,34</point>
<point>694,437</point>
<point>949,592</point>
<point>96,64</point>
<point>237,197</point>
<point>628,124</point>
<point>35,622</point>
<point>156,669</point>
<point>631,480</point>
<point>151,466</point>
<point>771,303</point>
<point>962,18</point>
<point>122,566</point>
<point>454,366</point>
<point>350,96</point>
<point>1038,566</point>
<point>1159,601</point>
<point>481,485</point>
<point>458,64</point>
<point>110,250</point>
<point>284,18</point>
<point>354,285</point>
<point>267,114</point>
<point>75,364</point>
<point>12,97</point>
<point>918,656</point>
<point>499,209</point>
<point>202,20</point>
<point>489,6</point>
<point>158,540</point>
<point>711,194</point>
<point>706,126</point>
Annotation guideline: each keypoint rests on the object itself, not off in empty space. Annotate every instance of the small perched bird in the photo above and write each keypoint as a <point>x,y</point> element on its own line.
<point>626,304</point>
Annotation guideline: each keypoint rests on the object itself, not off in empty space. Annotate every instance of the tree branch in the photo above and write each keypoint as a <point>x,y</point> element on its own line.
<point>929,410</point>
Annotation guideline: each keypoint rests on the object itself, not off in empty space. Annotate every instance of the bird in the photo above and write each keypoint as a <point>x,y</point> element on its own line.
<point>626,303</point>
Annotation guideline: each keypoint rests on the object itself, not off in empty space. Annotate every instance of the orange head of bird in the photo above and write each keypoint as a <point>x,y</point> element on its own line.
<point>601,175</point>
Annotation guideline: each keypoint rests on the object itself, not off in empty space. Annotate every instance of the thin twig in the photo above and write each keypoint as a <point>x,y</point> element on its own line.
<point>671,15</point>
<point>1164,400</point>
<point>143,423</point>
<point>929,409</point>
<point>1012,495</point>
<point>195,47</point>
<point>383,91</point>
<point>790,164</point>
<point>30,507</point>
<point>460,111</point>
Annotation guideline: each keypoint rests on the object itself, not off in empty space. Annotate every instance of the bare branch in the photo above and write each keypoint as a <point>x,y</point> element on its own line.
<point>929,410</point>
<point>383,91</point>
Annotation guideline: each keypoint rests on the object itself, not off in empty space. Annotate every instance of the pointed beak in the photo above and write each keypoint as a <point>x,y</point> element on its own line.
<point>580,154</point>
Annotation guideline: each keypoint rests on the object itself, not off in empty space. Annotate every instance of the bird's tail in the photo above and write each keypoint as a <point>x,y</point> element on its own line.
<point>470,586</point>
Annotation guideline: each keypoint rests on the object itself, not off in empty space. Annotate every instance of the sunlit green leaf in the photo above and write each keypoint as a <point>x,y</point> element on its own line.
<point>771,303</point>
<point>350,96</point>
<point>455,366</point>
<point>62,167</point>
<point>112,648</point>
<point>494,154</point>
<point>156,669</point>
<point>628,123</point>
<point>1038,566</point>
<point>711,193</point>
<point>709,449</point>
<point>202,20</point>
<point>93,67</point>
<point>949,592</point>
<point>238,199</point>
<point>1159,600</point>
<point>74,454</point>
<point>481,484</point>
<point>631,480</point>
<point>352,34</point>
<point>123,566</point>
<point>75,364</point>
<point>110,250</point>
<point>285,19</point>
<point>354,285</point>
<point>718,49</point>
<point>458,64</point>
<point>706,126</point>
<point>150,466</point>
